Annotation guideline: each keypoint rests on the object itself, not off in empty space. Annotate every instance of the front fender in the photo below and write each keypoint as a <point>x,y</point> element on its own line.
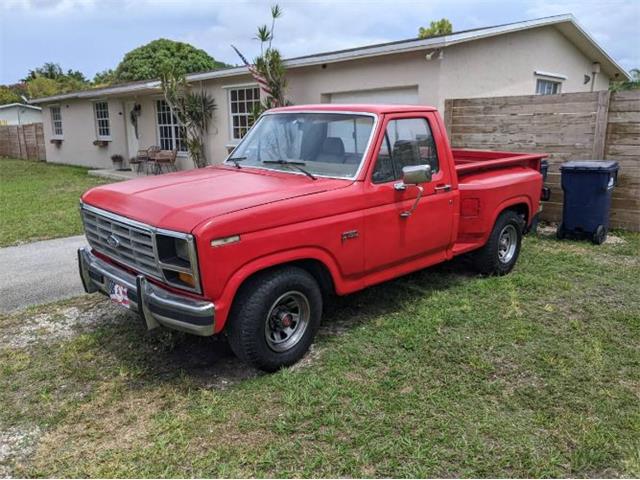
<point>225,301</point>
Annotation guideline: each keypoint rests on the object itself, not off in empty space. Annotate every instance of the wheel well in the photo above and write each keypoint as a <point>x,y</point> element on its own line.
<point>522,209</point>
<point>320,272</point>
<point>315,268</point>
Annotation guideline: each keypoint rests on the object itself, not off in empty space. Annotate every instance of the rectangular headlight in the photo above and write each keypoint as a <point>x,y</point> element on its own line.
<point>178,260</point>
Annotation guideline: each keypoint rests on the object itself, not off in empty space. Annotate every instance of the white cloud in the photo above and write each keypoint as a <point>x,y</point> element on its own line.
<point>92,35</point>
<point>614,24</point>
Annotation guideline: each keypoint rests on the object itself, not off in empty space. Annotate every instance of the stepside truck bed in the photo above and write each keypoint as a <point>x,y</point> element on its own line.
<point>487,177</point>
<point>472,161</point>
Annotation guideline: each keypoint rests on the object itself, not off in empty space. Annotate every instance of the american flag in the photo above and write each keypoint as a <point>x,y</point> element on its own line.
<point>262,81</point>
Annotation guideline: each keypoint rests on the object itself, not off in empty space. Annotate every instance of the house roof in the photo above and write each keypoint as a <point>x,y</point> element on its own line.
<point>11,105</point>
<point>356,107</point>
<point>566,24</point>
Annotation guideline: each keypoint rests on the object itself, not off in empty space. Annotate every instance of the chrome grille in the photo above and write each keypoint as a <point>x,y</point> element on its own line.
<point>130,245</point>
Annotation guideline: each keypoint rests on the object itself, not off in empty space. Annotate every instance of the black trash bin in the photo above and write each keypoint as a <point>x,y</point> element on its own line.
<point>587,187</point>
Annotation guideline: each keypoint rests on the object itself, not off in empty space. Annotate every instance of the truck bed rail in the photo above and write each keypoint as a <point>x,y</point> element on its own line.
<point>471,161</point>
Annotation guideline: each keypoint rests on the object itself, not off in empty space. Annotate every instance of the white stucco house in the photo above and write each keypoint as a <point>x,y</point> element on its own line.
<point>542,56</point>
<point>19,114</point>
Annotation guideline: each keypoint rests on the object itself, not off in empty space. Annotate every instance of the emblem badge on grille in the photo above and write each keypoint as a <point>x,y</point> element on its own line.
<point>113,241</point>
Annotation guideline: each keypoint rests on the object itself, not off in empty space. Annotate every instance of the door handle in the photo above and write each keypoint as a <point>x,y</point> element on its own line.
<point>442,188</point>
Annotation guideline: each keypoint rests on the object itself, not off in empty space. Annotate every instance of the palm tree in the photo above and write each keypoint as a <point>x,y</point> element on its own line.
<point>194,110</point>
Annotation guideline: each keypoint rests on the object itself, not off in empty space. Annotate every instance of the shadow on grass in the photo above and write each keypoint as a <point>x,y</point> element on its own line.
<point>164,356</point>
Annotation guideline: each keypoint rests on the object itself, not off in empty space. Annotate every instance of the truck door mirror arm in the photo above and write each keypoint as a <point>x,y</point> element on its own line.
<point>414,175</point>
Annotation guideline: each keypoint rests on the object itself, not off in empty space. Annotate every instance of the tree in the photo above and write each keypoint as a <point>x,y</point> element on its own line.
<point>194,110</point>
<point>48,70</point>
<point>9,95</point>
<point>632,84</point>
<point>42,87</point>
<point>439,27</point>
<point>13,93</point>
<point>50,79</point>
<point>148,61</point>
<point>104,78</point>
<point>270,66</point>
<point>76,75</point>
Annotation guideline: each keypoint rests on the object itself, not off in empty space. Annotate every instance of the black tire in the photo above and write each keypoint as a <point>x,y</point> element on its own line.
<point>599,236</point>
<point>491,259</point>
<point>255,312</point>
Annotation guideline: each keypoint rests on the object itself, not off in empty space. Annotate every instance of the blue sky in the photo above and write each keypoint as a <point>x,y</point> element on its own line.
<point>92,35</point>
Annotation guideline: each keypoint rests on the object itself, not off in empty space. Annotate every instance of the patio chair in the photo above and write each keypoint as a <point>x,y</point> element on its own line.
<point>166,159</point>
<point>139,161</point>
<point>152,153</point>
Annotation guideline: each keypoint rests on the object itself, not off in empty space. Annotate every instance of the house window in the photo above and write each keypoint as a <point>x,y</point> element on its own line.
<point>547,87</point>
<point>242,101</point>
<point>171,135</point>
<point>102,120</point>
<point>56,121</point>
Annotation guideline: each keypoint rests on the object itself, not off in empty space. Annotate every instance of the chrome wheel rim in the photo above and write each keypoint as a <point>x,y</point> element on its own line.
<point>507,243</point>
<point>287,320</point>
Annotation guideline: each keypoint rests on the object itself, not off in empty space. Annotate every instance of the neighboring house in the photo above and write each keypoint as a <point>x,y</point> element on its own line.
<point>543,56</point>
<point>19,114</point>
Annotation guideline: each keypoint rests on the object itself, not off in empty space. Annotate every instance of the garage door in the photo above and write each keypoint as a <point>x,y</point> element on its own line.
<point>398,96</point>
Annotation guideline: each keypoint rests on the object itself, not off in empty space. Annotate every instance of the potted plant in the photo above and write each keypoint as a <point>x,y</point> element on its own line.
<point>117,160</point>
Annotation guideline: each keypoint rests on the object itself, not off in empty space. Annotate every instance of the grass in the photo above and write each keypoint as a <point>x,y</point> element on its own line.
<point>438,374</point>
<point>40,200</point>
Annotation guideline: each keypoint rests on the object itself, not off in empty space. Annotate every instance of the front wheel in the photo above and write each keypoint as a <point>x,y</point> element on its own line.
<point>500,253</point>
<point>275,318</point>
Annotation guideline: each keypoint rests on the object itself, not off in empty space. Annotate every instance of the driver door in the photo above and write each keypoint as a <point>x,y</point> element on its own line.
<point>391,239</point>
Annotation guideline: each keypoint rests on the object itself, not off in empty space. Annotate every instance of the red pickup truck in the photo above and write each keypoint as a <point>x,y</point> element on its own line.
<point>316,200</point>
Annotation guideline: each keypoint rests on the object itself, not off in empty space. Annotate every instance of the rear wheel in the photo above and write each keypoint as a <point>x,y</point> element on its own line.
<point>500,253</point>
<point>275,318</point>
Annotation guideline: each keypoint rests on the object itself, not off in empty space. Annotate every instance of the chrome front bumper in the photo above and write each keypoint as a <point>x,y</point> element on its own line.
<point>156,305</point>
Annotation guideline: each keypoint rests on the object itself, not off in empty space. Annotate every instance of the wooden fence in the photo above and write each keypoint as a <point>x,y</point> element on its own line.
<point>25,141</point>
<point>571,126</point>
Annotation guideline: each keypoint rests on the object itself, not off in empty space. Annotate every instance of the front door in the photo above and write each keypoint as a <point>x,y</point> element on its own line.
<point>133,144</point>
<point>392,239</point>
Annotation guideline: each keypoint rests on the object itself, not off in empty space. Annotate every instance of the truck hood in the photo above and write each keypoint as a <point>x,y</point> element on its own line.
<point>181,201</point>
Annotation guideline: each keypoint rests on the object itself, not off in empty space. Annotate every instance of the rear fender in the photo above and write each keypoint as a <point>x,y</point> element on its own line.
<point>511,202</point>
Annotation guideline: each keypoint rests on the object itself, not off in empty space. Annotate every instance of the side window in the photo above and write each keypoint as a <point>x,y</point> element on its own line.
<point>407,142</point>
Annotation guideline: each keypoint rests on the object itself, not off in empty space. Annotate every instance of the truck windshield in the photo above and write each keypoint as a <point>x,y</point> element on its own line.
<point>325,144</point>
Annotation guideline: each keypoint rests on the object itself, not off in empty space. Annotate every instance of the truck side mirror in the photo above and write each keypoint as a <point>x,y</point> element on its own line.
<point>416,174</point>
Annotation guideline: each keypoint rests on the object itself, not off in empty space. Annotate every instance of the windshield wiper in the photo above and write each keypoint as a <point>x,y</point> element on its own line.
<point>292,163</point>
<point>236,160</point>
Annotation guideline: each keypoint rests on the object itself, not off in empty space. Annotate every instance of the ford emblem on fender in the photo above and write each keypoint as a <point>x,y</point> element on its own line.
<point>113,241</point>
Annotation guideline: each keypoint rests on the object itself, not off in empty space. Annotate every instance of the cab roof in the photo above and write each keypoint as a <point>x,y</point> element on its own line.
<point>359,108</point>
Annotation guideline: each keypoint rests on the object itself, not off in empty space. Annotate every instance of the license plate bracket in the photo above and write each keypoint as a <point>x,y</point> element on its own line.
<point>118,294</point>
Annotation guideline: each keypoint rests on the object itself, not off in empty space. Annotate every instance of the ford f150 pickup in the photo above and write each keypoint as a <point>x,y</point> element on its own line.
<point>315,200</point>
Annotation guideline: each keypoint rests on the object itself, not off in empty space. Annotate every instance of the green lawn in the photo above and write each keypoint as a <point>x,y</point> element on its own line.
<point>40,200</point>
<point>440,373</point>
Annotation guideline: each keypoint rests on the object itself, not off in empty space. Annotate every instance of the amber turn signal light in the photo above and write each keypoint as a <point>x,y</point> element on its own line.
<point>186,278</point>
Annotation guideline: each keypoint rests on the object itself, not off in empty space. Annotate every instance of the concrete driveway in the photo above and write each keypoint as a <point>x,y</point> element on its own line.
<point>39,272</point>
